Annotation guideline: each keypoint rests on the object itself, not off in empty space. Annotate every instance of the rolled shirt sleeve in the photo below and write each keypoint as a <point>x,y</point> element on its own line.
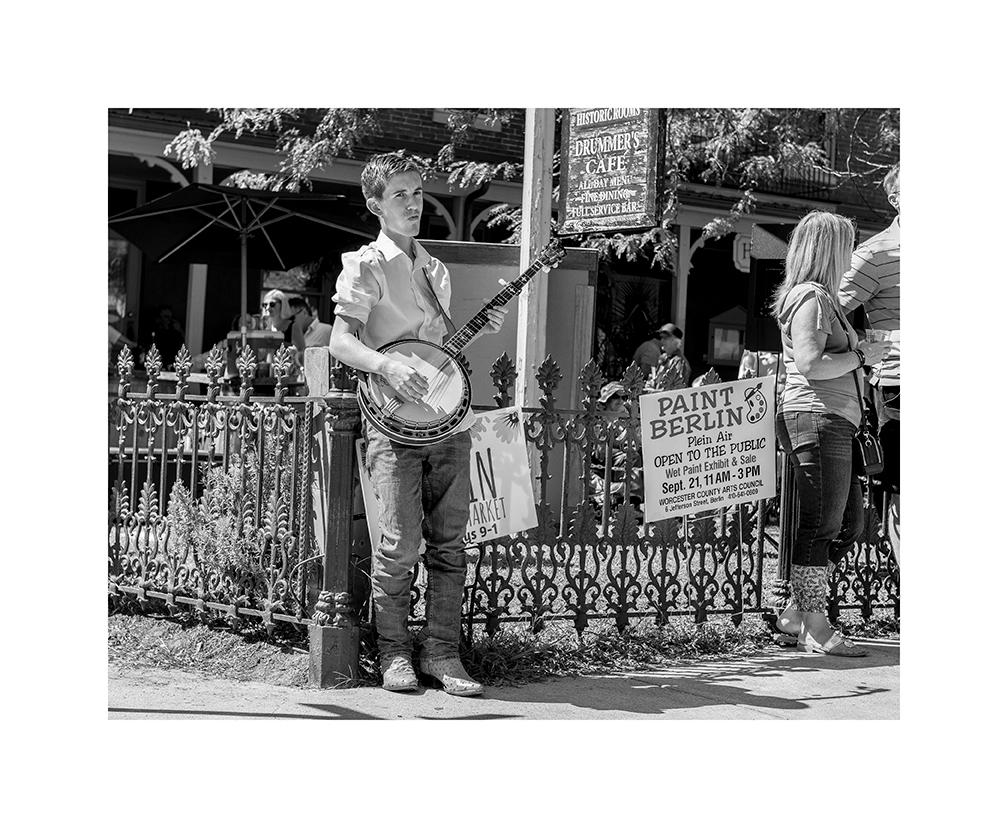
<point>358,288</point>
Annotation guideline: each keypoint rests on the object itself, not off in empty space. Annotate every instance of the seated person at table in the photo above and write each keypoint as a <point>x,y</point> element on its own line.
<point>306,330</point>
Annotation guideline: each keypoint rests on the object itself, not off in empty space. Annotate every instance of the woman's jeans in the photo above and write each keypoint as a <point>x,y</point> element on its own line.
<point>421,491</point>
<point>820,447</point>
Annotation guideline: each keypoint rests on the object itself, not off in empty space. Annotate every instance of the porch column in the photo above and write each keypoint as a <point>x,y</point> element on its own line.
<point>584,318</point>
<point>537,198</point>
<point>196,304</point>
<point>682,275</point>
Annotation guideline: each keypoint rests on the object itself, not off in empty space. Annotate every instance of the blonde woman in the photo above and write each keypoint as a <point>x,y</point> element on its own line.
<point>276,308</point>
<point>819,413</point>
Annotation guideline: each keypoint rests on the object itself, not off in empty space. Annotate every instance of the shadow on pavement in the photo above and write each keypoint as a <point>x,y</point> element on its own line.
<point>474,717</point>
<point>704,684</point>
<point>333,712</point>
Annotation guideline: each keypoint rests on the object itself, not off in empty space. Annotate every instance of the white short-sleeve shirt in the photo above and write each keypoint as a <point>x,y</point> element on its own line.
<point>385,291</point>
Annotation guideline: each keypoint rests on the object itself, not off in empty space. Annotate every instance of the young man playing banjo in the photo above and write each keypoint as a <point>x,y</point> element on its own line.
<point>390,290</point>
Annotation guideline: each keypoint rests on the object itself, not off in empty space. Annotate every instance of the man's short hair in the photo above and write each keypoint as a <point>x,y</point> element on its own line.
<point>670,329</point>
<point>891,182</point>
<point>380,169</point>
<point>296,302</point>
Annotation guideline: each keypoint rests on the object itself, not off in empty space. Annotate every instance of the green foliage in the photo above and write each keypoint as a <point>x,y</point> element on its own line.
<point>465,174</point>
<point>658,246</point>
<point>215,529</point>
<point>306,140</point>
<point>310,139</point>
<point>220,530</point>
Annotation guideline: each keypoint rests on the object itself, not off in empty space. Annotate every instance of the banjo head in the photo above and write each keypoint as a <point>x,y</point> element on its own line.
<point>448,390</point>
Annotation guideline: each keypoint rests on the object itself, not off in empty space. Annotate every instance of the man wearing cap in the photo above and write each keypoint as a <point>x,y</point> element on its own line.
<point>666,340</point>
<point>672,345</point>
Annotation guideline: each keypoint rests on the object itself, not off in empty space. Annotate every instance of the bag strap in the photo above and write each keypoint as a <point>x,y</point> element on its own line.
<point>858,373</point>
<point>452,330</point>
<point>866,413</point>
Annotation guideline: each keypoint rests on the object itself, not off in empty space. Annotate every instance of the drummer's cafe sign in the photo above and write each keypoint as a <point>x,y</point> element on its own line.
<point>610,168</point>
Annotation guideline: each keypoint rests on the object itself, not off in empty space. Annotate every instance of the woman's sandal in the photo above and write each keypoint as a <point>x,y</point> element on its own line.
<point>836,645</point>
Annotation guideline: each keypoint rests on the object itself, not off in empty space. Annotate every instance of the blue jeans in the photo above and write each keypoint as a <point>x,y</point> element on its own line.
<point>421,492</point>
<point>820,447</point>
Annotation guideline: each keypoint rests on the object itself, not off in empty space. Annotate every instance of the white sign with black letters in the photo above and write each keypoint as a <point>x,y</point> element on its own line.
<point>707,447</point>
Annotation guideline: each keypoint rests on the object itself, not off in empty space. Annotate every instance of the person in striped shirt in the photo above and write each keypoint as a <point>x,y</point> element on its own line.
<point>874,282</point>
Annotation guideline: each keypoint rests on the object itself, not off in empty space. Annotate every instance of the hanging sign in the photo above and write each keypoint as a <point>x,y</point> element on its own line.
<point>708,447</point>
<point>501,502</point>
<point>610,163</point>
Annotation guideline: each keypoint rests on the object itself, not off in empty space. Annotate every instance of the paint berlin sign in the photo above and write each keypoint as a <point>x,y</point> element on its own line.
<point>610,162</point>
<point>708,447</point>
<point>500,483</point>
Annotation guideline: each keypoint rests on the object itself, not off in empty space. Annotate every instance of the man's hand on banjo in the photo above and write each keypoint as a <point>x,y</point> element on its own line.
<point>405,380</point>
<point>496,315</point>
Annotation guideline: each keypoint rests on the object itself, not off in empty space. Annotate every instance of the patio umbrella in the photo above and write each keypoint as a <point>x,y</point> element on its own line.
<point>200,223</point>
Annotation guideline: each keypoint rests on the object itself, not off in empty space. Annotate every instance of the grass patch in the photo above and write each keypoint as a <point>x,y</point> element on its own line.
<point>179,642</point>
<point>512,657</point>
<point>882,625</point>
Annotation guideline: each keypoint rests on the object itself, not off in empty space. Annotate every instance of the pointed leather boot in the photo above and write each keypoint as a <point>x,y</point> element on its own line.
<point>449,672</point>
<point>398,675</point>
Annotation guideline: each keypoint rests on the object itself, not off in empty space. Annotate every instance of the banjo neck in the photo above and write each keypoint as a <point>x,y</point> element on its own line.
<point>462,338</point>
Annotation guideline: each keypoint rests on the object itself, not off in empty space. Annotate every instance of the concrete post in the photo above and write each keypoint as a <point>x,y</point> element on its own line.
<point>334,638</point>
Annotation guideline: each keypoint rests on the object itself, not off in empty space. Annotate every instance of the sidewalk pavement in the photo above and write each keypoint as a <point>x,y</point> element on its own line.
<point>780,684</point>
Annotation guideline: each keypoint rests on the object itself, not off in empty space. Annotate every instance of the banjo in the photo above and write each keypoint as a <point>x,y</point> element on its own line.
<point>449,391</point>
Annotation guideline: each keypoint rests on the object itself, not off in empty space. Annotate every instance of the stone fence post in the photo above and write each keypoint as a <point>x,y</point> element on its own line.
<point>334,637</point>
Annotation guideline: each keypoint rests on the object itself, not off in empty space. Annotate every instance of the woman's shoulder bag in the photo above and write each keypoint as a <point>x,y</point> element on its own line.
<point>866,437</point>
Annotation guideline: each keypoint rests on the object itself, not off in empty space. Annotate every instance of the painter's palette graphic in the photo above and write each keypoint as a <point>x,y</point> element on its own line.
<point>757,403</point>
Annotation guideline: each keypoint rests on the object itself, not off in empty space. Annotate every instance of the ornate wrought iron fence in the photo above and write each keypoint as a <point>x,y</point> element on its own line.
<point>210,503</point>
<point>591,556</point>
<point>212,506</point>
